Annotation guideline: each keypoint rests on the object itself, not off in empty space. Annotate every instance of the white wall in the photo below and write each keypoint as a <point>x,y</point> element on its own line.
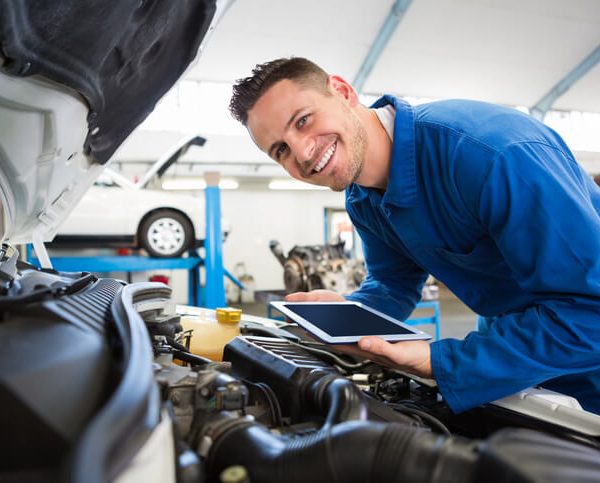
<point>256,217</point>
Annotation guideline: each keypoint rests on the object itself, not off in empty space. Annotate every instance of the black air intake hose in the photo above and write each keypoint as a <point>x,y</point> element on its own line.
<point>350,449</point>
<point>365,452</point>
<point>334,396</point>
<point>355,451</point>
<point>347,448</point>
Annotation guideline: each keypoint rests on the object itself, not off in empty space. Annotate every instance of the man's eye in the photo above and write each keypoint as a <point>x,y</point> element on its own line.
<point>302,121</point>
<point>280,150</point>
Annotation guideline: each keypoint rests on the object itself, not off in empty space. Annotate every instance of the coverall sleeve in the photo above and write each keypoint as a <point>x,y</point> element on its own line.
<point>542,213</point>
<point>393,283</point>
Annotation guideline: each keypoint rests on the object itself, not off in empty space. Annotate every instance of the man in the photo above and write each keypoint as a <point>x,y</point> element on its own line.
<point>485,198</point>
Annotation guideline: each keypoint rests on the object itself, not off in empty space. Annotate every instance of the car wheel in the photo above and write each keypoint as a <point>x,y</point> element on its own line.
<point>166,233</point>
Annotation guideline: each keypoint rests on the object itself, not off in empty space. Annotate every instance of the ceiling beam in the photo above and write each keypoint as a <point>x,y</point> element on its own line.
<point>541,107</point>
<point>383,36</point>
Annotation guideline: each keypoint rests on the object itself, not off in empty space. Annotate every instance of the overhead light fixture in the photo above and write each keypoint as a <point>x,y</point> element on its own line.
<point>196,184</point>
<point>292,184</point>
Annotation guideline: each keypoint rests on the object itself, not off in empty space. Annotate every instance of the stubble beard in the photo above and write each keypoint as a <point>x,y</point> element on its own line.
<point>358,148</point>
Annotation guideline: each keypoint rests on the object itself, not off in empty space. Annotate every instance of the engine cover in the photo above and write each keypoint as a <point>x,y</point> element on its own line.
<point>283,366</point>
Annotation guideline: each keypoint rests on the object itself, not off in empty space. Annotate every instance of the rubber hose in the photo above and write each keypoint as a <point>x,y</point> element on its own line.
<point>356,451</point>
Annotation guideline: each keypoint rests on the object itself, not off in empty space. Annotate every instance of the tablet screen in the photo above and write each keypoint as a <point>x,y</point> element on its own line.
<point>346,320</point>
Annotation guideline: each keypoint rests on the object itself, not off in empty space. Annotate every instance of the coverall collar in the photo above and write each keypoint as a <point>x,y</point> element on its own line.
<point>402,182</point>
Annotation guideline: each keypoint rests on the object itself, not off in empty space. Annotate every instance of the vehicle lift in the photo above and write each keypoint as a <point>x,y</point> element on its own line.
<point>212,295</point>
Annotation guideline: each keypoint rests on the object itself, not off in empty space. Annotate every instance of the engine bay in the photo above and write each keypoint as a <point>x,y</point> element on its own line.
<point>93,369</point>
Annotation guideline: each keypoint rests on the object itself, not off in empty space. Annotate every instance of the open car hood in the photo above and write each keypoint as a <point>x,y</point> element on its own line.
<point>75,79</point>
<point>161,165</point>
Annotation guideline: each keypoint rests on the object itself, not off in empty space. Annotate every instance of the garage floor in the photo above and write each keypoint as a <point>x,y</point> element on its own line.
<point>456,318</point>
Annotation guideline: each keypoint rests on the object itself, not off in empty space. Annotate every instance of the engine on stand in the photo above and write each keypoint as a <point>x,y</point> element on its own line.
<point>314,267</point>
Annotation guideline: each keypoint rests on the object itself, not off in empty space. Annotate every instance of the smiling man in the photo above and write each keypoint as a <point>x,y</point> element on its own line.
<point>334,155</point>
<point>485,198</point>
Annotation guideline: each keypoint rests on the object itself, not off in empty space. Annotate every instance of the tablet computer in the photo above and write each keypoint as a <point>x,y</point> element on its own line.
<point>346,322</point>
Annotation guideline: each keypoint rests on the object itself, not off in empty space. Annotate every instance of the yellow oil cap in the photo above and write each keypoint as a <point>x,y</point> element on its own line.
<point>229,315</point>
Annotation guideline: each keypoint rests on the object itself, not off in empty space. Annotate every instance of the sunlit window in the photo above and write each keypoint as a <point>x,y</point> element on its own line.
<point>202,106</point>
<point>580,130</point>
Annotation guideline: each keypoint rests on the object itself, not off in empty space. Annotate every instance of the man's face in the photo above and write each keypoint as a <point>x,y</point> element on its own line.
<point>317,138</point>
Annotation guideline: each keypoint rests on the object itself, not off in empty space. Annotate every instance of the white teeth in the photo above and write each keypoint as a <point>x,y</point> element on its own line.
<point>325,159</point>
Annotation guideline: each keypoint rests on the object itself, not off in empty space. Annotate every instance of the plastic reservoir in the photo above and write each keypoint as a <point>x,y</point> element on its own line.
<point>212,330</point>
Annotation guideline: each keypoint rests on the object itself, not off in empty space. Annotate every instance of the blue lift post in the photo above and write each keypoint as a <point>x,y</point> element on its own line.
<point>194,285</point>
<point>137,263</point>
<point>131,263</point>
<point>214,293</point>
<point>213,245</point>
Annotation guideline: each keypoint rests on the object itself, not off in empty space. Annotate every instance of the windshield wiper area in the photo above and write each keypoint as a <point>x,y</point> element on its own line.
<point>8,268</point>
<point>21,282</point>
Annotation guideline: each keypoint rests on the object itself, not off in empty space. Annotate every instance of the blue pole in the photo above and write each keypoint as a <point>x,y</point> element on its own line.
<point>213,262</point>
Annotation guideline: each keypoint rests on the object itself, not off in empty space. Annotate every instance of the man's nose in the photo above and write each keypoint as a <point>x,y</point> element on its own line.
<point>303,148</point>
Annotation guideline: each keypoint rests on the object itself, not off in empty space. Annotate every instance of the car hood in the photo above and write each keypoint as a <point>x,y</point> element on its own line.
<point>75,79</point>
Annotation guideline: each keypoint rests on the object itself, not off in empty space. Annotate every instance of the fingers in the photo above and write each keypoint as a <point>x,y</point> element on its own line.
<point>298,297</point>
<point>376,346</point>
<point>355,350</point>
<point>315,296</point>
<point>413,356</point>
<point>352,350</point>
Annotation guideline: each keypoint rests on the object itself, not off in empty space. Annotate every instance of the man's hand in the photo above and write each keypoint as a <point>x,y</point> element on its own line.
<point>315,296</point>
<point>410,356</point>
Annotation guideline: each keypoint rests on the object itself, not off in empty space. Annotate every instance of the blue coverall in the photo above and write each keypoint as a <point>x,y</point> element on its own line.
<point>492,203</point>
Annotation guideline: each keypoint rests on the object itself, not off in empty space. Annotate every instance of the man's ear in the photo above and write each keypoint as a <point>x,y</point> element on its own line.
<point>338,86</point>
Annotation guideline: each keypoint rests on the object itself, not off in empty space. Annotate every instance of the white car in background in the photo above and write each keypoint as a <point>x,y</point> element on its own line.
<point>116,212</point>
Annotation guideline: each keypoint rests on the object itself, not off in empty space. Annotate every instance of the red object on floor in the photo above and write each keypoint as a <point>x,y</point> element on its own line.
<point>159,278</point>
<point>123,252</point>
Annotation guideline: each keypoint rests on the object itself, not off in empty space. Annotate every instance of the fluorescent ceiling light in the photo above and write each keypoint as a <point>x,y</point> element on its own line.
<point>292,184</point>
<point>194,184</point>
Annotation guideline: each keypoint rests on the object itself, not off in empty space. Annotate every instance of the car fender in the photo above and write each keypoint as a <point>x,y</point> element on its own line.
<point>119,211</point>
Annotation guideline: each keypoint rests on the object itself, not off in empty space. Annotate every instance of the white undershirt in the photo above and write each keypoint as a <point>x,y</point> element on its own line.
<point>386,115</point>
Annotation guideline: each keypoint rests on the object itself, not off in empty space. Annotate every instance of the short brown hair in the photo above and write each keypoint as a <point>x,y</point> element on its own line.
<point>247,91</point>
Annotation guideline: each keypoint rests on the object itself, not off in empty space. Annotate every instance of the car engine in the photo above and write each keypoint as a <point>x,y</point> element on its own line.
<point>314,267</point>
<point>93,371</point>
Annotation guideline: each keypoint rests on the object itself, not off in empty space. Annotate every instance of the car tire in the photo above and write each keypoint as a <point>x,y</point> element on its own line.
<point>166,234</point>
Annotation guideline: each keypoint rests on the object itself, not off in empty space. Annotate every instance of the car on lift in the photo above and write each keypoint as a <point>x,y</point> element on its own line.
<point>97,380</point>
<point>116,212</point>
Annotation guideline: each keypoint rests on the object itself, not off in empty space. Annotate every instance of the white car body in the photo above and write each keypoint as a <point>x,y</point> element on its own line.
<point>117,210</point>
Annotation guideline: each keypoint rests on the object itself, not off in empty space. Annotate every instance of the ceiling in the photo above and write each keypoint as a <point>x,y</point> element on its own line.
<point>511,52</point>
<point>505,51</point>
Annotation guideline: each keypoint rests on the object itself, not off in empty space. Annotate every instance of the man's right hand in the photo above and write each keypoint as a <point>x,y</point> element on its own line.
<point>315,296</point>
<point>411,356</point>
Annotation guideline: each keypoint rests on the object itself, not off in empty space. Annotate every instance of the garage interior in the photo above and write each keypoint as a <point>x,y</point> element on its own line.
<point>190,233</point>
<point>537,56</point>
